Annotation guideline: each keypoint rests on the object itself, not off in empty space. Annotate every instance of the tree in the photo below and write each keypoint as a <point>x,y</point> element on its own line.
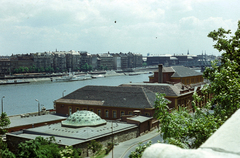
<point>101,67</point>
<point>26,69</point>
<point>105,68</point>
<point>139,150</point>
<point>224,79</point>
<point>90,68</point>
<point>42,69</point>
<point>94,146</point>
<point>191,130</point>
<point>4,123</point>
<point>16,70</point>
<point>144,64</point>
<point>21,69</point>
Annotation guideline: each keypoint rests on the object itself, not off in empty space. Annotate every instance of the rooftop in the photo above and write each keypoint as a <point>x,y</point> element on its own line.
<point>114,96</point>
<point>83,118</point>
<point>72,136</point>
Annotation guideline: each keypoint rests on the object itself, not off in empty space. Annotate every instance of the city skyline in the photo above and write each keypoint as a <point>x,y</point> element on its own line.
<point>154,27</point>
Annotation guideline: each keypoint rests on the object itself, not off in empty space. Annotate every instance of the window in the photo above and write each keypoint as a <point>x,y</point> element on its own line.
<point>91,109</point>
<point>183,81</point>
<point>147,114</point>
<point>106,113</point>
<point>77,109</point>
<point>99,112</point>
<point>130,112</point>
<point>114,114</point>
<point>122,113</point>
<point>84,109</point>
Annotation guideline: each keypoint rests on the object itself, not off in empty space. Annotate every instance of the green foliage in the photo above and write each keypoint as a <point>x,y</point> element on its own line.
<point>182,128</point>
<point>225,80</point>
<point>39,147</point>
<point>94,146</point>
<point>190,130</point>
<point>6,153</point>
<point>3,145</point>
<point>139,150</point>
<point>101,67</point>
<point>4,123</point>
<point>105,68</point>
<point>69,151</point>
<point>86,67</point>
<point>144,64</point>
<point>109,148</point>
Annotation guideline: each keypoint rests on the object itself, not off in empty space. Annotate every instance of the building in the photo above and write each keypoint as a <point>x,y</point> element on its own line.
<point>59,61</point>
<point>86,58</point>
<point>116,62</point>
<point>176,74</point>
<point>73,60</point>
<point>82,127</point>
<point>124,61</point>
<point>5,65</point>
<point>106,61</point>
<point>178,94</point>
<point>178,83</point>
<point>109,102</point>
<point>43,60</point>
<point>21,60</point>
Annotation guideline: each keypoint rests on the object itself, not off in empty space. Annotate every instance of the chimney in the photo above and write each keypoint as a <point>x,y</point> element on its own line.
<point>160,74</point>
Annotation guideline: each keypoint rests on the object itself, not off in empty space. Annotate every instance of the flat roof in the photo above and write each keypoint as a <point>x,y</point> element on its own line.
<point>140,118</point>
<point>73,136</point>
<point>17,121</point>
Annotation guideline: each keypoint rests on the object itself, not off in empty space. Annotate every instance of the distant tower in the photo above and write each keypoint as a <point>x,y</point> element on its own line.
<point>188,52</point>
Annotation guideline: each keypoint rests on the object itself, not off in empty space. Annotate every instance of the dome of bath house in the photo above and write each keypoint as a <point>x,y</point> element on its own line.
<point>83,118</point>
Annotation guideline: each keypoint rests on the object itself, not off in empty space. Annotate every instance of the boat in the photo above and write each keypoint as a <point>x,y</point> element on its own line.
<point>133,74</point>
<point>13,82</point>
<point>97,76</point>
<point>71,77</point>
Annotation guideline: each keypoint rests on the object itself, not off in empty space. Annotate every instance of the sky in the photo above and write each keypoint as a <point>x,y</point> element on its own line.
<point>100,26</point>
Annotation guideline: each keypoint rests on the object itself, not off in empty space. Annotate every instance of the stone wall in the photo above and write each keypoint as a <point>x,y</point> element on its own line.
<point>118,137</point>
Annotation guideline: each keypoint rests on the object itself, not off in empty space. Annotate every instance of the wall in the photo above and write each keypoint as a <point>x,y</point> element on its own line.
<point>63,109</point>
<point>18,128</point>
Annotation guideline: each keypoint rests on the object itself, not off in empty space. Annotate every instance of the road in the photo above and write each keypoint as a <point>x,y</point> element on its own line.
<point>124,149</point>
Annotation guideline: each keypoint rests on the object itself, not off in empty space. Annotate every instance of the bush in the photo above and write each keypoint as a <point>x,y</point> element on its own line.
<point>109,148</point>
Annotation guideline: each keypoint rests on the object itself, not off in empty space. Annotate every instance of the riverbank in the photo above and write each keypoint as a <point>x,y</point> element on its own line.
<point>32,78</point>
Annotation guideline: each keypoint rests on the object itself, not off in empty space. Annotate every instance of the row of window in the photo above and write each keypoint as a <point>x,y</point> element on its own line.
<point>106,112</point>
<point>193,80</point>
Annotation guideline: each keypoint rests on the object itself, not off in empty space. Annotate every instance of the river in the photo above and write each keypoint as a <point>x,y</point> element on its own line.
<point>20,98</point>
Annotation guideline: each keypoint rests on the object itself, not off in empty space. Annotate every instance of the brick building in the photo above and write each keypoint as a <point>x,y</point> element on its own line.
<point>176,74</point>
<point>109,102</point>
<point>4,65</point>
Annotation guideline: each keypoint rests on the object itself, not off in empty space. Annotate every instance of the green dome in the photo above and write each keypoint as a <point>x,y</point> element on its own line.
<point>83,118</point>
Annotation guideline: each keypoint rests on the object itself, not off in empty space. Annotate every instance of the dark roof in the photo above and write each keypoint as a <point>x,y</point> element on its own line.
<point>181,71</point>
<point>168,89</point>
<point>114,96</point>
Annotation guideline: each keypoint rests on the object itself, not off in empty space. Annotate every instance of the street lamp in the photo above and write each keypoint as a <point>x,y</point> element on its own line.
<point>63,93</point>
<point>2,103</point>
<point>38,107</point>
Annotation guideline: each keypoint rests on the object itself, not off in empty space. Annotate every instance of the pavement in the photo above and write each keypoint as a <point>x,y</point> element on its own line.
<point>124,148</point>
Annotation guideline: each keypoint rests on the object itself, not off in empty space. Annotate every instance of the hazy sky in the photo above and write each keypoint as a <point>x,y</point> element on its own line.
<point>142,26</point>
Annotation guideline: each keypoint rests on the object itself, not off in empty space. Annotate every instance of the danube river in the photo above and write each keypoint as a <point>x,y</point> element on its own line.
<point>21,98</point>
